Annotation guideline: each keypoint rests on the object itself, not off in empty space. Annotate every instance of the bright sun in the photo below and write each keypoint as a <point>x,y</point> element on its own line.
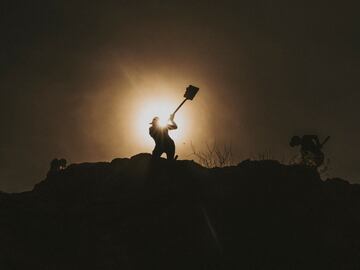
<point>162,109</point>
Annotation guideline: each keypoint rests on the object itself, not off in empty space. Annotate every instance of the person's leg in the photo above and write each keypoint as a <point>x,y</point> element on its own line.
<point>170,150</point>
<point>157,152</point>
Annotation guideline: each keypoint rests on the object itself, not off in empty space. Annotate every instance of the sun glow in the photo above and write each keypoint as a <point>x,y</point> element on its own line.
<point>163,122</point>
<point>162,109</point>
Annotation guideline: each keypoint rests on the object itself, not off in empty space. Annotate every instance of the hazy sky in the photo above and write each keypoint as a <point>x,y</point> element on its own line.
<point>76,76</point>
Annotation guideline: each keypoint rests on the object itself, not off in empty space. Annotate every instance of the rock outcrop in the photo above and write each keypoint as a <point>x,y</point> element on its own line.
<point>143,214</point>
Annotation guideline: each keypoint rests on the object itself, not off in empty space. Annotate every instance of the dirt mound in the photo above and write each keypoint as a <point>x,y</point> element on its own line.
<point>139,213</point>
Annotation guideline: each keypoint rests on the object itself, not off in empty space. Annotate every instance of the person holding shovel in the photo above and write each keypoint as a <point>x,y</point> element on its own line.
<point>311,149</point>
<point>160,134</point>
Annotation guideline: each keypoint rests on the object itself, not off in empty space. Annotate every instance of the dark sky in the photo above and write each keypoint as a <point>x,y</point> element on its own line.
<point>267,70</point>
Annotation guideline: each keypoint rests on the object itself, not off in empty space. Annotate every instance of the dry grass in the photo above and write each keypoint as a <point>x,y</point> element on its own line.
<point>213,155</point>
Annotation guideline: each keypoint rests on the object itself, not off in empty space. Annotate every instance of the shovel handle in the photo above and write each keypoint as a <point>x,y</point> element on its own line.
<point>325,141</point>
<point>182,103</point>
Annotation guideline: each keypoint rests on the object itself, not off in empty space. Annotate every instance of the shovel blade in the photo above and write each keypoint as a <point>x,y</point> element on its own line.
<point>191,92</point>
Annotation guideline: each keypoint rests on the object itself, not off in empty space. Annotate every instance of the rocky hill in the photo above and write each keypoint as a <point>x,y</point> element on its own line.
<point>143,214</point>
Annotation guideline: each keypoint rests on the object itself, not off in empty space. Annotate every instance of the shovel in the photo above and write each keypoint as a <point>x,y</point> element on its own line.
<point>190,93</point>
<point>325,141</point>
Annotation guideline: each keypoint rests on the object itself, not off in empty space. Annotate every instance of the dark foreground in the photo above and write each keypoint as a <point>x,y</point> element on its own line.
<point>139,214</point>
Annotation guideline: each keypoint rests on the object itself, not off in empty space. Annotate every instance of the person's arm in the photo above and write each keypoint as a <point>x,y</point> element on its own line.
<point>314,138</point>
<point>172,125</point>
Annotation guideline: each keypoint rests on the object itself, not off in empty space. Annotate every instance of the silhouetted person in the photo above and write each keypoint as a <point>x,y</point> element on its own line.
<point>160,134</point>
<point>311,152</point>
<point>57,165</point>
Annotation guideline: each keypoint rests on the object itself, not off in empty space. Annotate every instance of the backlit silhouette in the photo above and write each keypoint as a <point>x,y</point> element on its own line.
<point>57,165</point>
<point>160,134</point>
<point>311,149</point>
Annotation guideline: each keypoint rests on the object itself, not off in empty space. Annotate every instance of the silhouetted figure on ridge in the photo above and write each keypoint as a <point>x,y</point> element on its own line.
<point>311,149</point>
<point>160,134</point>
<point>57,165</point>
